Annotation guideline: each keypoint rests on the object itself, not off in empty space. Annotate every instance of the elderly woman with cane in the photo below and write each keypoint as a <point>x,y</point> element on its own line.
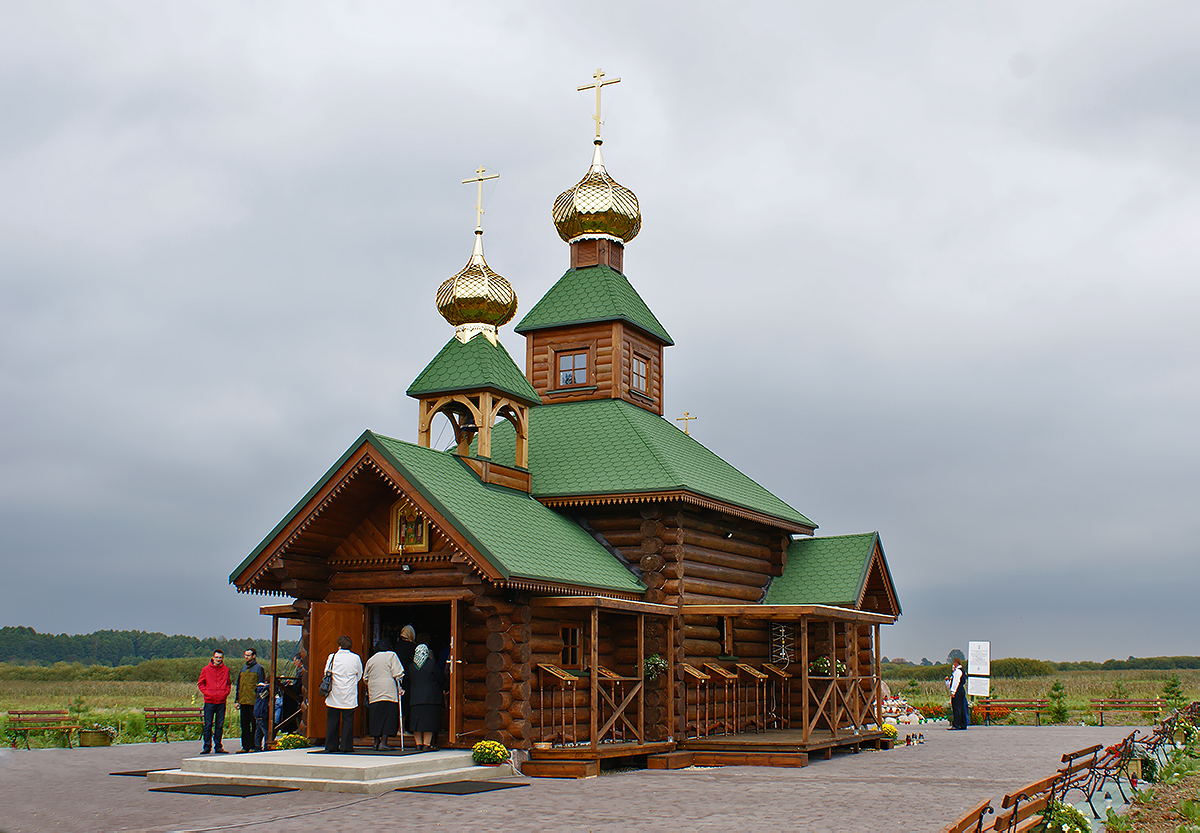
<point>383,675</point>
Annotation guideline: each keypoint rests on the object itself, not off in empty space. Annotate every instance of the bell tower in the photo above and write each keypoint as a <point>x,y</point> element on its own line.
<point>473,380</point>
<point>592,336</point>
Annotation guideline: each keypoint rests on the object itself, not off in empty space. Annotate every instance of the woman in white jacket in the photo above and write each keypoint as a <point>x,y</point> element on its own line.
<point>342,700</point>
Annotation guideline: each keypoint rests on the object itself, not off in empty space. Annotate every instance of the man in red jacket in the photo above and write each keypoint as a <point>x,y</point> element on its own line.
<point>214,685</point>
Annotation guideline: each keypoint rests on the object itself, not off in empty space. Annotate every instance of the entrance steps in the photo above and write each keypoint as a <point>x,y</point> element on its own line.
<point>688,757</point>
<point>358,773</point>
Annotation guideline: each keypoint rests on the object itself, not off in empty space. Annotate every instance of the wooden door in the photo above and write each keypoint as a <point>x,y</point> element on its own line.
<point>329,621</point>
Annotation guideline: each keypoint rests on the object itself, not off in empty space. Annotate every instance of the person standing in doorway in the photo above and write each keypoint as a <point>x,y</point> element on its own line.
<point>383,674</point>
<point>425,693</point>
<point>342,700</point>
<point>214,687</point>
<point>249,677</point>
<point>408,644</point>
<point>957,683</point>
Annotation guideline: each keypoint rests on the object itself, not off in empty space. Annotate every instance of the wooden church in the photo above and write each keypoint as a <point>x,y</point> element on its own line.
<point>602,584</point>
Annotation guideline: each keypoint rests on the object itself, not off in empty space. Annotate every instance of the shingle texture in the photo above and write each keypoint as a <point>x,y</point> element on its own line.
<point>519,536</point>
<point>472,366</point>
<point>828,571</point>
<point>594,293</point>
<point>512,530</point>
<point>609,446</point>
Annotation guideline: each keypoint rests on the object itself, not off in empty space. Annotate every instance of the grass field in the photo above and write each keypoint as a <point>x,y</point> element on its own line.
<point>1080,686</point>
<point>112,703</point>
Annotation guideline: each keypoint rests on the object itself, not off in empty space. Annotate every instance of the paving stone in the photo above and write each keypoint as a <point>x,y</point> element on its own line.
<point>912,788</point>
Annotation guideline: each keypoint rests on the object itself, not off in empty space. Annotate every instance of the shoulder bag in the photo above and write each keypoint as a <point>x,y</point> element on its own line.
<point>327,681</point>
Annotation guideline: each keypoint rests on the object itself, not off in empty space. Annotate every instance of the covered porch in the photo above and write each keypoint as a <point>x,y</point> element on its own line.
<point>810,683</point>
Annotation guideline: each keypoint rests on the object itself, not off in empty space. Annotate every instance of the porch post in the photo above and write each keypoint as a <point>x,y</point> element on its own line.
<point>269,740</point>
<point>805,686</point>
<point>834,717</point>
<point>641,674</point>
<point>878,683</point>
<point>592,671</point>
<point>671,727</point>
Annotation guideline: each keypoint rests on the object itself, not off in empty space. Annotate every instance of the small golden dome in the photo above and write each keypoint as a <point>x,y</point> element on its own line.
<point>477,295</point>
<point>597,205</point>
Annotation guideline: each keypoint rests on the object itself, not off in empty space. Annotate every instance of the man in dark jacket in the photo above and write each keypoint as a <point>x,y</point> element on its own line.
<point>249,677</point>
<point>214,686</point>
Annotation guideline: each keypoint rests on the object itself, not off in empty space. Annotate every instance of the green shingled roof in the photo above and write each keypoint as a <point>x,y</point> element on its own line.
<point>609,446</point>
<point>516,534</point>
<point>594,293</point>
<point>472,366</point>
<point>828,571</point>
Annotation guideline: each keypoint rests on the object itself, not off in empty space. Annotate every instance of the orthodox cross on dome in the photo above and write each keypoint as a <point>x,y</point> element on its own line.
<point>480,178</point>
<point>598,84</point>
<point>685,419</point>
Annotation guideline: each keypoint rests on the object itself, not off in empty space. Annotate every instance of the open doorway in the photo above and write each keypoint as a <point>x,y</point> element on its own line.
<point>433,620</point>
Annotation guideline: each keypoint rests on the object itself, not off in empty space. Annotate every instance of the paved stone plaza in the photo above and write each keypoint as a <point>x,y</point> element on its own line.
<point>905,789</point>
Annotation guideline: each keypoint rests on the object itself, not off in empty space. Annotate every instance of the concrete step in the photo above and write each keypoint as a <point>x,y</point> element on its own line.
<point>298,769</point>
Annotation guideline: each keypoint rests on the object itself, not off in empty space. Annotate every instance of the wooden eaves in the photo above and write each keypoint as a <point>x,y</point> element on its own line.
<point>783,613</point>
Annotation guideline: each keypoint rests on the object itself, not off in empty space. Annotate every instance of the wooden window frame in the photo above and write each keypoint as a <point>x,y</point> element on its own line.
<point>588,348</point>
<point>633,362</point>
<point>576,647</point>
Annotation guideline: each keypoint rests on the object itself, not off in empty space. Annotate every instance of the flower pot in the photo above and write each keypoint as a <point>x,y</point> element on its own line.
<point>94,737</point>
<point>495,764</point>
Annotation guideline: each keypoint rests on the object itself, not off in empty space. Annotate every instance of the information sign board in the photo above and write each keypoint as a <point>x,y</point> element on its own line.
<point>979,686</point>
<point>979,659</point>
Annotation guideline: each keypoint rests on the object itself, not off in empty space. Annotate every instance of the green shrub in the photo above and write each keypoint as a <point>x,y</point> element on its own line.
<point>134,726</point>
<point>1058,712</point>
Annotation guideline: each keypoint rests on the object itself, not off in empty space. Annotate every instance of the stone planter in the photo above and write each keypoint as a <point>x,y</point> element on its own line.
<point>94,737</point>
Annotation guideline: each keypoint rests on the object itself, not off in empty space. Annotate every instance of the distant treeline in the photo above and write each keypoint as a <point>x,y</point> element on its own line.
<point>25,646</point>
<point>1018,667</point>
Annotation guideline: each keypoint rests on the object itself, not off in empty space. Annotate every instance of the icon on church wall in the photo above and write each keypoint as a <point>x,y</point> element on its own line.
<point>410,529</point>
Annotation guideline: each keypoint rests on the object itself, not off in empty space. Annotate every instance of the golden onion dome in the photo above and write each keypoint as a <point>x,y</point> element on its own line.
<point>597,205</point>
<point>477,295</point>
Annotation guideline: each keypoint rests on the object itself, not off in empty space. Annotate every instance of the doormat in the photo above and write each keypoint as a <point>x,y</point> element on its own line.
<point>460,787</point>
<point>394,753</point>
<point>236,790</point>
<point>137,773</point>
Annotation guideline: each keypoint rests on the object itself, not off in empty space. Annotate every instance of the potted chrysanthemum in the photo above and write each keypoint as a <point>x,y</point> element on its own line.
<point>489,753</point>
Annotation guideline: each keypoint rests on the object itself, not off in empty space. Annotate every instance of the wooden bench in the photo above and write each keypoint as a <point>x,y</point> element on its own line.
<point>972,820</point>
<point>1080,773</point>
<point>164,719</point>
<point>1025,806</point>
<point>36,721</point>
<point>1124,704</point>
<point>1035,706</point>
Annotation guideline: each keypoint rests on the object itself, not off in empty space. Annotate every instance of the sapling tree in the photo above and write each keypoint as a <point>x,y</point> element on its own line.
<point>1172,691</point>
<point>1058,703</point>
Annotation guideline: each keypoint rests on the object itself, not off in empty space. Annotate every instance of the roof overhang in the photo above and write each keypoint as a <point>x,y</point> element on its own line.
<point>604,603</point>
<point>785,613</point>
<point>681,495</point>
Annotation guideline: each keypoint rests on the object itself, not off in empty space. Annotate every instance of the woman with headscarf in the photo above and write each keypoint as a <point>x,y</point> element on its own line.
<point>383,675</point>
<point>425,693</point>
<point>408,644</point>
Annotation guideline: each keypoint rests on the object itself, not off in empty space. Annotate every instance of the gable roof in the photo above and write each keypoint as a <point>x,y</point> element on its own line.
<point>593,293</point>
<point>519,537</point>
<point>829,571</point>
<point>609,446</point>
<point>476,365</point>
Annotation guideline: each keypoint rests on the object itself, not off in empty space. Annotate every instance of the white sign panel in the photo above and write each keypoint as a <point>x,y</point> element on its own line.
<point>979,686</point>
<point>979,659</point>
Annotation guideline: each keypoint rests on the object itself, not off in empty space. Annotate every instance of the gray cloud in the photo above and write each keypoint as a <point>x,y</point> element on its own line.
<point>918,283</point>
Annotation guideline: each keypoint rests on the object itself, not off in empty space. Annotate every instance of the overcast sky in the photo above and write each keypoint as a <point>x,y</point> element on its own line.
<point>931,269</point>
